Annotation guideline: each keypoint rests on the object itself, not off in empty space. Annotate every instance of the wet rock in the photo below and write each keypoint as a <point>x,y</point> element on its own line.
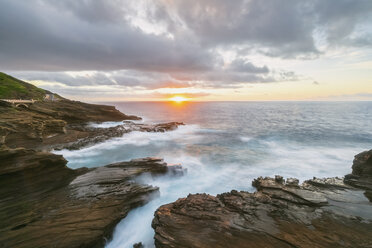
<point>46,204</point>
<point>362,164</point>
<point>361,176</point>
<point>329,183</point>
<point>292,182</point>
<point>279,214</point>
<point>138,245</point>
<point>176,170</point>
<point>97,135</point>
<point>290,191</point>
<point>279,179</point>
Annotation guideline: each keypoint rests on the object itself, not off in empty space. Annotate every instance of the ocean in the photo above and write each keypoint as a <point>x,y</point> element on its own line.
<point>225,145</point>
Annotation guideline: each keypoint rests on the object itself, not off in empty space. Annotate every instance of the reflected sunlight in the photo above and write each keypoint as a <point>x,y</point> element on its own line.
<point>178,99</point>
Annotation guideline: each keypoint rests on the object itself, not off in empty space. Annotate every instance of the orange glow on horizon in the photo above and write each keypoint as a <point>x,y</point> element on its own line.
<point>178,99</point>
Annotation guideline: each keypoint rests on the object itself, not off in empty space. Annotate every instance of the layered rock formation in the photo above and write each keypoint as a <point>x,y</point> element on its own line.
<point>281,213</point>
<point>97,135</point>
<point>45,204</point>
<point>52,122</point>
<point>64,125</point>
<point>42,202</point>
<point>361,175</point>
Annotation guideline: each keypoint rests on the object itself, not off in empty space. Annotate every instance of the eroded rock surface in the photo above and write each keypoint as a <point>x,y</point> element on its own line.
<point>52,122</point>
<point>43,203</point>
<point>282,213</point>
<point>361,175</point>
<point>97,135</point>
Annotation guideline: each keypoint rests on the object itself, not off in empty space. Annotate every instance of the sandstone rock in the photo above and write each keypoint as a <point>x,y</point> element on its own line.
<point>362,164</point>
<point>53,122</point>
<point>361,175</point>
<point>45,204</point>
<point>279,214</point>
<point>97,135</point>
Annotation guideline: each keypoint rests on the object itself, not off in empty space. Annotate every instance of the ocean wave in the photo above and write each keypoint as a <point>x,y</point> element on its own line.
<point>126,147</point>
<point>105,124</point>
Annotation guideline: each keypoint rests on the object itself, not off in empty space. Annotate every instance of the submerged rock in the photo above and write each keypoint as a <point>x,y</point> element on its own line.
<point>138,245</point>
<point>282,213</point>
<point>46,204</point>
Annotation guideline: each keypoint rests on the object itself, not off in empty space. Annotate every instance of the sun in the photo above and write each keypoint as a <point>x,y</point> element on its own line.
<point>178,99</point>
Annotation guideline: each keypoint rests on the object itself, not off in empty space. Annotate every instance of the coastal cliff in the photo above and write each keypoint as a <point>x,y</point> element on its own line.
<point>45,204</point>
<point>46,123</point>
<point>328,212</point>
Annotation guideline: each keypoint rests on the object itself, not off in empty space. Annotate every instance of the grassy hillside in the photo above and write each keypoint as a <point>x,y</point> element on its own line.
<point>12,88</point>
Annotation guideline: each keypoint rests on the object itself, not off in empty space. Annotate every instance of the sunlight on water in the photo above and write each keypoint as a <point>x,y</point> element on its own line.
<point>225,146</point>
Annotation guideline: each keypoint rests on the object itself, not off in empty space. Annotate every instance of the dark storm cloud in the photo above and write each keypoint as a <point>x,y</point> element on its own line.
<point>145,80</point>
<point>37,36</point>
<point>180,46</point>
<point>340,18</point>
<point>278,25</point>
<point>240,65</point>
<point>282,28</point>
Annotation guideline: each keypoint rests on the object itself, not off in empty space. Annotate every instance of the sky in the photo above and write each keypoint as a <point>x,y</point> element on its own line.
<point>204,50</point>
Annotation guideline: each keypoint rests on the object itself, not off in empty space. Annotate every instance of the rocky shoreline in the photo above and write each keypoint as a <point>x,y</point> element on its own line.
<point>47,123</point>
<point>46,204</point>
<point>97,135</point>
<point>331,212</point>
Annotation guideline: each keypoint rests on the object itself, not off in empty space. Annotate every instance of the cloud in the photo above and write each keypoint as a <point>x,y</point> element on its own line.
<point>340,18</point>
<point>240,65</point>
<point>124,44</point>
<point>39,35</point>
<point>283,28</point>
<point>124,78</point>
<point>166,35</point>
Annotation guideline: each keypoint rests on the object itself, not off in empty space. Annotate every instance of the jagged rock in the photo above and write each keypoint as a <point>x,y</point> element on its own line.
<point>177,170</point>
<point>5,104</point>
<point>289,190</point>
<point>362,164</point>
<point>331,182</point>
<point>361,176</point>
<point>97,135</point>
<point>53,122</point>
<point>138,245</point>
<point>292,181</point>
<point>45,204</point>
<point>279,214</point>
<point>279,179</point>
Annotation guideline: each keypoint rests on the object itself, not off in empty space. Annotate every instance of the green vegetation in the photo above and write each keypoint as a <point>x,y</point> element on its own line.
<point>12,88</point>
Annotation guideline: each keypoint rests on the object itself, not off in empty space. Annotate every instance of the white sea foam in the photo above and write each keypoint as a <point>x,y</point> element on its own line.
<point>90,156</point>
<point>218,160</point>
<point>303,163</point>
<point>136,227</point>
<point>205,175</point>
<point>245,139</point>
<point>106,124</point>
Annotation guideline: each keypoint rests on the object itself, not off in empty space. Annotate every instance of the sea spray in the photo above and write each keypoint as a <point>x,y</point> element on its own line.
<point>227,145</point>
